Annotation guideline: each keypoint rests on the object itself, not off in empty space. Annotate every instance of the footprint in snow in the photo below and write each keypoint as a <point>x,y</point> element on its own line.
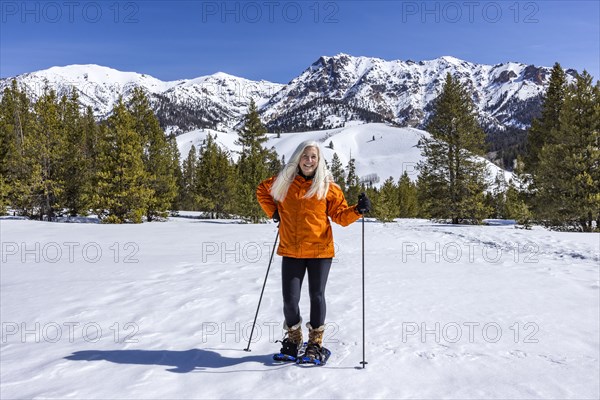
<point>426,354</point>
<point>554,359</point>
<point>518,354</point>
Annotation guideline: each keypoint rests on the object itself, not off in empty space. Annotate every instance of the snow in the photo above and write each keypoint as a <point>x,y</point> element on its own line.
<point>82,75</point>
<point>393,151</point>
<point>451,312</point>
<point>398,89</point>
<point>197,137</point>
<point>424,82</point>
<point>100,87</point>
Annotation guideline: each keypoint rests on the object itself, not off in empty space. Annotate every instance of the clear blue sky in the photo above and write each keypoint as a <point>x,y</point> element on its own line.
<point>276,40</point>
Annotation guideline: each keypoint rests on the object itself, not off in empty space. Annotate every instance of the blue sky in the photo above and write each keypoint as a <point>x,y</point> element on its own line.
<point>276,40</point>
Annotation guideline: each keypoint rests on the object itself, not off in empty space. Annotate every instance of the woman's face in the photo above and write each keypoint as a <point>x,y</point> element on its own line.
<point>309,161</point>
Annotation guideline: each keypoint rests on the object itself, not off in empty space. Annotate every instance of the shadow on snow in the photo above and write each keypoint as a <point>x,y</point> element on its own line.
<point>179,361</point>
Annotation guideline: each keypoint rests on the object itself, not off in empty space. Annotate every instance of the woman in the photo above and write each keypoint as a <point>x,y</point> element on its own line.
<point>302,197</point>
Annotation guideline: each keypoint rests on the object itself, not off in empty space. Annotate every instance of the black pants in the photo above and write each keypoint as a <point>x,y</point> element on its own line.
<point>292,275</point>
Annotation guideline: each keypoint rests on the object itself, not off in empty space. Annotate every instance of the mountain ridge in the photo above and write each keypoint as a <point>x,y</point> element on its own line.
<point>328,93</point>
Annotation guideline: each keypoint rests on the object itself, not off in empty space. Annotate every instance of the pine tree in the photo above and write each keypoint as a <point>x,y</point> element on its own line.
<point>497,196</point>
<point>76,159</point>
<point>274,165</point>
<point>175,157</point>
<point>337,170</point>
<point>47,152</point>
<point>408,206</point>
<point>253,133</point>
<point>121,193</point>
<point>187,189</point>
<point>386,208</point>
<point>254,165</point>
<point>374,196</point>
<point>453,179</point>
<point>544,130</point>
<point>16,169</point>
<point>353,188</point>
<point>157,156</point>
<point>518,195</point>
<point>568,175</point>
<point>4,199</point>
<point>92,134</point>
<point>214,179</point>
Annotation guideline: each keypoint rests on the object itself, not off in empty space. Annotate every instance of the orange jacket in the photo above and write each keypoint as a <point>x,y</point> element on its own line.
<point>305,231</point>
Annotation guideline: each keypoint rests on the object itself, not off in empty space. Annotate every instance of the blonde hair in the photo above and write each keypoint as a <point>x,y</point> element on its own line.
<point>320,181</point>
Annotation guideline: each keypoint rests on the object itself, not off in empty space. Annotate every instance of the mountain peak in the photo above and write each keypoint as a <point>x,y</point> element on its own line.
<point>332,90</point>
<point>224,75</point>
<point>452,60</point>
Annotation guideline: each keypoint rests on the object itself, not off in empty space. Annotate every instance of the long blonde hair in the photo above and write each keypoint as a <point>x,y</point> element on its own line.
<point>320,181</point>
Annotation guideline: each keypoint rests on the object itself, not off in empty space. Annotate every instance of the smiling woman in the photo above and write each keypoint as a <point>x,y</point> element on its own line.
<point>303,196</point>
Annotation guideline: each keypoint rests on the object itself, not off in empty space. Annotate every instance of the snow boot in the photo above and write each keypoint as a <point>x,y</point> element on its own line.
<point>315,353</point>
<point>292,341</point>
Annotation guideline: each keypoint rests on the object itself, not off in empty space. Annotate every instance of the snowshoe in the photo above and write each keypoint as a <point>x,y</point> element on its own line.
<point>289,351</point>
<point>314,354</point>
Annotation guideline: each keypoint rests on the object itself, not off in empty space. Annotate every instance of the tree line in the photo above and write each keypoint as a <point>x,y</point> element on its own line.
<point>556,184</point>
<point>57,160</point>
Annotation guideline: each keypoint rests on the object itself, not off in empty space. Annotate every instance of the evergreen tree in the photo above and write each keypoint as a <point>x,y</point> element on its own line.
<point>518,195</point>
<point>545,129</point>
<point>4,198</point>
<point>214,179</point>
<point>175,158</point>
<point>353,188</point>
<point>274,165</point>
<point>47,152</point>
<point>253,133</point>
<point>76,157</point>
<point>374,196</point>
<point>453,179</point>
<point>386,208</point>
<point>497,196</point>
<point>408,206</point>
<point>19,175</point>
<point>121,193</point>
<point>254,165</point>
<point>187,189</point>
<point>337,170</point>
<point>157,156</point>
<point>568,176</point>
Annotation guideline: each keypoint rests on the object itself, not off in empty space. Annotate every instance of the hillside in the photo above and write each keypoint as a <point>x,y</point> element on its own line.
<point>377,148</point>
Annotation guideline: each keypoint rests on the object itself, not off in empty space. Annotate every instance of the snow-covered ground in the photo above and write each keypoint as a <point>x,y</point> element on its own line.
<point>164,310</point>
<point>378,149</point>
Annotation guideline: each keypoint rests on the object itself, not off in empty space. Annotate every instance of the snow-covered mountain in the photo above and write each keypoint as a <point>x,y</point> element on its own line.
<point>330,92</point>
<point>506,95</point>
<point>97,86</point>
<point>216,101</point>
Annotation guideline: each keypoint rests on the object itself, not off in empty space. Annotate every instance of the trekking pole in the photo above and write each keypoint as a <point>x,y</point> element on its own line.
<point>363,362</point>
<point>263,290</point>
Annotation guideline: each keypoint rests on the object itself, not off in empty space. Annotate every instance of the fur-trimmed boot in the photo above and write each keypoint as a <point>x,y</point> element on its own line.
<point>292,341</point>
<point>314,348</point>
